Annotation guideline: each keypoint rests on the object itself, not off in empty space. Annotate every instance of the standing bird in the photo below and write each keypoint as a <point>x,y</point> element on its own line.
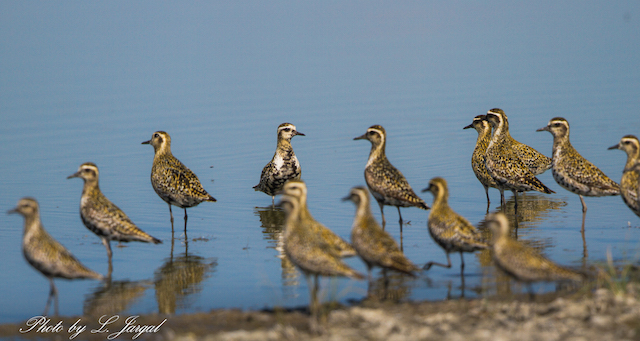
<point>523,263</point>
<point>630,176</point>
<point>298,189</point>
<point>102,217</point>
<point>283,166</point>
<point>385,182</point>
<point>572,171</point>
<point>173,181</point>
<point>478,157</point>
<point>448,229</point>
<point>375,246</point>
<point>504,165</point>
<point>45,254</point>
<point>307,249</point>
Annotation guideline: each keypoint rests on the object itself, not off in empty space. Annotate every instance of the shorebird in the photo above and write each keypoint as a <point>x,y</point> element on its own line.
<point>298,189</point>
<point>375,246</point>
<point>283,166</point>
<point>307,250</point>
<point>101,216</point>
<point>45,254</point>
<point>448,229</point>
<point>631,173</point>
<point>483,128</point>
<point>173,182</point>
<point>385,182</point>
<point>504,165</point>
<point>523,263</point>
<point>572,171</point>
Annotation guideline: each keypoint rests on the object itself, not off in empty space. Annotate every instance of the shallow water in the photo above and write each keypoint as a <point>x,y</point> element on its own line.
<point>91,82</point>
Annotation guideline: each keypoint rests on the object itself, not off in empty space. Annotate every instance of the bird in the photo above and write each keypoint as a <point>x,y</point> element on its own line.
<point>448,229</point>
<point>523,263</point>
<point>504,165</point>
<point>173,182</point>
<point>572,171</point>
<point>630,174</point>
<point>283,166</point>
<point>478,157</point>
<point>375,246</point>
<point>298,188</point>
<point>306,248</point>
<point>45,254</point>
<point>387,185</point>
<point>101,216</point>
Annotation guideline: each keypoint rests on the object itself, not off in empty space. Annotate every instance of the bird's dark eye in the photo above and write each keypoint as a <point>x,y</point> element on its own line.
<point>156,135</point>
<point>557,124</point>
<point>287,129</point>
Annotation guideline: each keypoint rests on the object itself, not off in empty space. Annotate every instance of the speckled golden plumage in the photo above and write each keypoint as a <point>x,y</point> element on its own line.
<point>448,229</point>
<point>173,182</point>
<point>375,246</point>
<point>283,166</point>
<point>479,153</point>
<point>44,253</point>
<point>101,216</point>
<point>306,248</point>
<point>503,164</point>
<point>521,262</point>
<point>385,182</point>
<point>629,188</point>
<point>298,189</point>
<point>572,171</point>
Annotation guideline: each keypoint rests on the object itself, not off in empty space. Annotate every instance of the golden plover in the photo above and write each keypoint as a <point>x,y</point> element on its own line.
<point>477,158</point>
<point>101,216</point>
<point>298,189</point>
<point>523,263</point>
<point>448,229</point>
<point>572,171</point>
<point>630,176</point>
<point>45,254</point>
<point>172,180</point>
<point>308,250</point>
<point>375,246</point>
<point>385,182</point>
<point>283,166</point>
<point>504,165</point>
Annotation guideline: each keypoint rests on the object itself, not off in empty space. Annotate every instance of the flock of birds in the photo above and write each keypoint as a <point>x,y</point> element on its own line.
<point>498,161</point>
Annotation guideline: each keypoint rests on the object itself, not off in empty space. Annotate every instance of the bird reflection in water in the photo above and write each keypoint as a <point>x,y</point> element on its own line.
<point>114,297</point>
<point>533,210</point>
<point>272,224</point>
<point>180,277</point>
<point>390,285</point>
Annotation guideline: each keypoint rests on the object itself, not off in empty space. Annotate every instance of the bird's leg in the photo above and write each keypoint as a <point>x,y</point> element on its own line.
<point>384,222</point>
<point>171,215</point>
<point>53,296</point>
<point>430,264</point>
<point>462,279</point>
<point>584,206</point>
<point>185,222</point>
<point>107,245</point>
<point>400,215</point>
<point>584,212</point>
<point>515,200</point>
<point>486,191</point>
<point>461,263</point>
<point>502,203</point>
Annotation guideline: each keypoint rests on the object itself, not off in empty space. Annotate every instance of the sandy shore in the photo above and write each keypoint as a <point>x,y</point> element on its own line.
<point>598,315</point>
